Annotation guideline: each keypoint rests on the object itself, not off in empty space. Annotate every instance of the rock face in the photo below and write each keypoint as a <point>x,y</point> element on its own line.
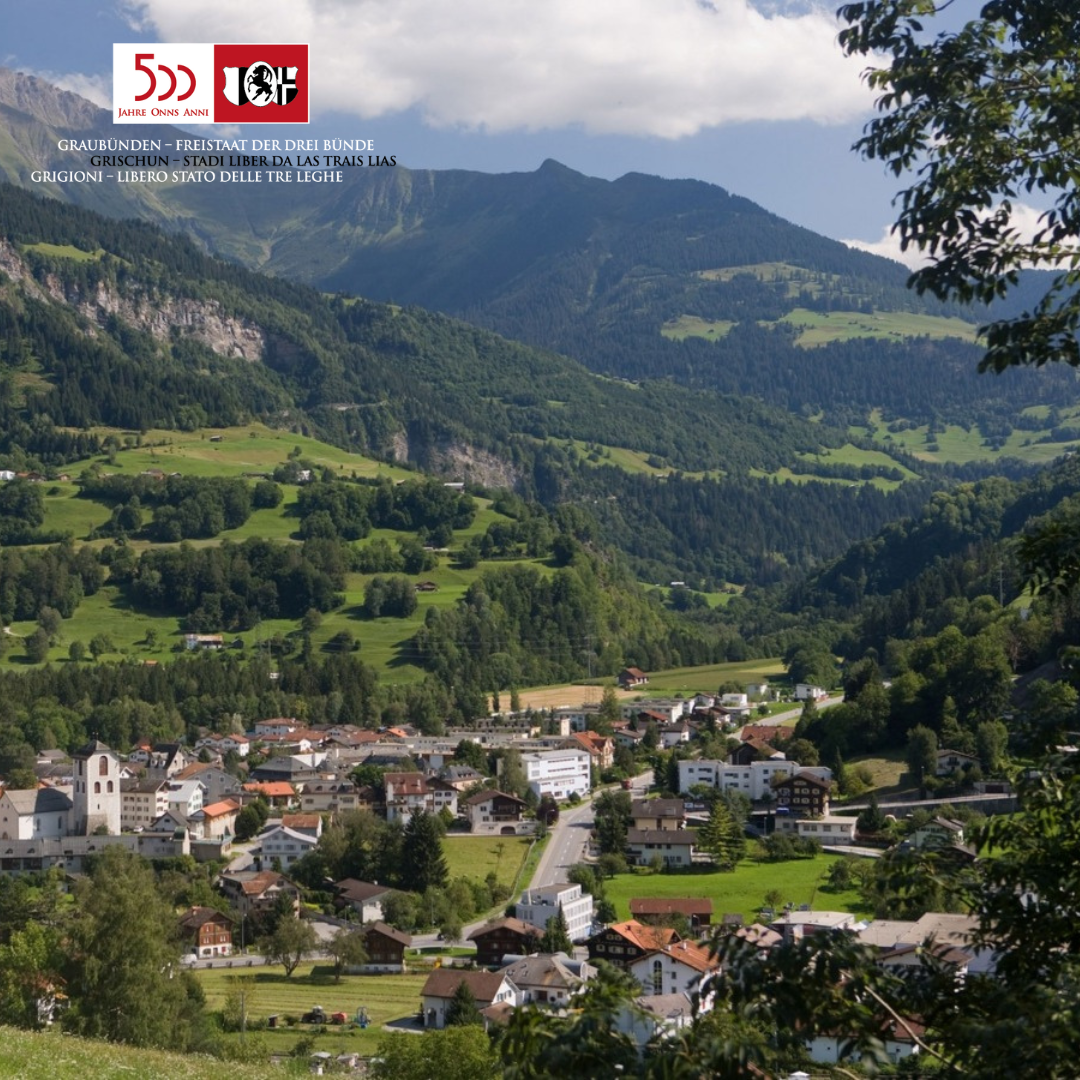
<point>47,103</point>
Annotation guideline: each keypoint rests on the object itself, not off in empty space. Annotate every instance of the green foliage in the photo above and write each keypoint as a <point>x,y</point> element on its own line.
<point>290,940</point>
<point>722,836</point>
<point>457,1053</point>
<point>462,1010</point>
<point>422,862</point>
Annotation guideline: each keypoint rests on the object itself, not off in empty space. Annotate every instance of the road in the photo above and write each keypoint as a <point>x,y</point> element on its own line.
<point>570,835</point>
<point>791,714</point>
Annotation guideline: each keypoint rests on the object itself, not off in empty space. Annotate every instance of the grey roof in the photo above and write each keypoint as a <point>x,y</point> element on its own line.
<point>93,747</point>
<point>41,801</point>
<point>543,970</point>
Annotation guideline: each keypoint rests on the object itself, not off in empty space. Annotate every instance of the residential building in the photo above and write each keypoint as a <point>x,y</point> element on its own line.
<point>503,937</point>
<point>142,801</point>
<point>630,678</point>
<point>222,744</point>
<point>558,773</point>
<point>624,942</point>
<point>677,968</point>
<point>364,897</point>
<point>207,932</point>
<point>254,892</point>
<point>282,847</point>
<point>755,780</point>
<point>330,797</point>
<point>795,925</point>
<point>186,797</point>
<point>305,823</point>
<point>809,692</point>
<point>802,793</point>
<point>217,782</point>
<point>659,910</point>
<point>939,833</point>
<point>536,906</point>
<point>409,793</point>
<point>950,761</point>
<point>663,814</point>
<point>830,830</point>
<point>494,812</point>
<point>548,980</point>
<point>385,948</point>
<point>218,819</point>
<point>675,848</point>
<point>488,988</point>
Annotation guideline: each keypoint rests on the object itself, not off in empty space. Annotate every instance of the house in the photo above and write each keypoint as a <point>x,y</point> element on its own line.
<point>898,1041</point>
<point>304,823</point>
<point>280,725</point>
<point>536,906</point>
<point>658,910</point>
<point>186,797</point>
<point>409,793</point>
<point>809,692</point>
<point>385,948</point>
<point>632,677</point>
<point>461,777</point>
<point>677,968</point>
<point>664,814</point>
<point>600,748</point>
<point>364,897</point>
<point>207,932</point>
<point>558,773</point>
<point>507,936</point>
<point>167,757</point>
<point>282,847</point>
<point>495,812</point>
<point>548,980</point>
<point>488,988</point>
<point>939,833</point>
<point>254,893</point>
<point>212,642</point>
<point>803,794</point>
<point>35,814</point>
<point>330,797</point>
<point>675,848</point>
<point>222,744</point>
<point>831,830</point>
<point>796,925</point>
<point>654,1016</point>
<point>218,819</point>
<point>624,942</point>
<point>950,761</point>
<point>142,801</point>
<point>275,792</point>
<point>218,783</point>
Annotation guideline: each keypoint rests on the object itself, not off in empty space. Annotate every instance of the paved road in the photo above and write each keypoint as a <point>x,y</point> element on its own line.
<point>791,714</point>
<point>570,835</point>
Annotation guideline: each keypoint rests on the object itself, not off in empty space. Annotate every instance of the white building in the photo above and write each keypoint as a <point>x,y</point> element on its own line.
<point>285,845</point>
<point>96,793</point>
<point>35,814</point>
<point>754,780</point>
<point>536,906</point>
<point>142,801</point>
<point>559,773</point>
<point>186,797</point>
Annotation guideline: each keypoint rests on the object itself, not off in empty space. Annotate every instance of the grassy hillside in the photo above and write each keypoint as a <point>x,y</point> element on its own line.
<point>48,1056</point>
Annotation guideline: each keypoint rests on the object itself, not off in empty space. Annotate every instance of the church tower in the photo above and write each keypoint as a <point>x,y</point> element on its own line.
<point>96,795</point>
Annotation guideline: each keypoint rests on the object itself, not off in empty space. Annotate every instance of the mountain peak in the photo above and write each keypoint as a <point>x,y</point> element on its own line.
<point>46,103</point>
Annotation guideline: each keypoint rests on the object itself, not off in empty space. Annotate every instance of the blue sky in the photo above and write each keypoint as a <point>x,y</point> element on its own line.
<point>754,97</point>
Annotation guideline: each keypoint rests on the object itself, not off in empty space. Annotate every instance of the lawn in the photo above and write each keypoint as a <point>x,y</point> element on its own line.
<point>819,328</point>
<point>685,326</point>
<point>706,679</point>
<point>477,856</point>
<point>801,881</point>
<point>268,992</point>
<point>51,1055</point>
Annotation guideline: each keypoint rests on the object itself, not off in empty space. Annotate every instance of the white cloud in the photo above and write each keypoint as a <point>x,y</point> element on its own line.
<point>666,68</point>
<point>1025,219</point>
<point>95,88</point>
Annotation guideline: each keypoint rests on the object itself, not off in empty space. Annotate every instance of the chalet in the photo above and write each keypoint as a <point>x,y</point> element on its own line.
<point>488,988</point>
<point>677,968</point>
<point>624,942</point>
<point>632,677</point>
<point>494,811</point>
<point>207,932</point>
<point>504,937</point>
<point>659,910</point>
<point>385,948</point>
<point>364,897</point>
<point>675,847</point>
<point>664,814</point>
<point>803,794</point>
<point>409,793</point>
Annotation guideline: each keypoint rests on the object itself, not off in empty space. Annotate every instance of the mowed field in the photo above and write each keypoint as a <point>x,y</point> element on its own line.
<point>801,881</point>
<point>268,992</point>
<point>477,856</point>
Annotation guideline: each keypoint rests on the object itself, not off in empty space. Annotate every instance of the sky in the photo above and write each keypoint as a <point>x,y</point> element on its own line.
<point>752,95</point>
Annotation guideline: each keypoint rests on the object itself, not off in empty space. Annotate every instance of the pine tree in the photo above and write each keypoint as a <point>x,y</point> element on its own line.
<point>422,863</point>
<point>722,837</point>
<point>556,936</point>
<point>462,1010</point>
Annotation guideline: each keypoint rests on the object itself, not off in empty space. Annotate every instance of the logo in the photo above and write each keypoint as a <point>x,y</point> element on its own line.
<point>260,84</point>
<point>210,84</point>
